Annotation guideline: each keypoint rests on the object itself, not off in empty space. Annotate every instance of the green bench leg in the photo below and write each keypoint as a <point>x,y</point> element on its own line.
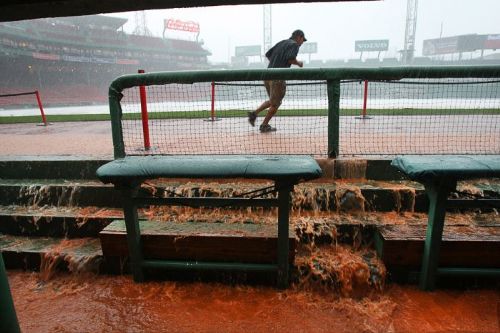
<point>8,318</point>
<point>133,232</point>
<point>283,231</point>
<point>438,195</point>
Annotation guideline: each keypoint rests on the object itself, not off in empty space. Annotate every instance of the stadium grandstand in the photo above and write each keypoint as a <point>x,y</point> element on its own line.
<point>72,60</point>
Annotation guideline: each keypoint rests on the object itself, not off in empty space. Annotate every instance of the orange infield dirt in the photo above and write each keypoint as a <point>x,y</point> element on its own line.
<point>117,304</point>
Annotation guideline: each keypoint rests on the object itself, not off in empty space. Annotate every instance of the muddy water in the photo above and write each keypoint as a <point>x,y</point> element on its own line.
<point>116,304</point>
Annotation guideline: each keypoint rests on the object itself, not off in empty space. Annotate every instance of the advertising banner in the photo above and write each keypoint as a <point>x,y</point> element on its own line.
<point>469,43</point>
<point>45,56</point>
<point>492,42</point>
<point>371,45</point>
<point>440,46</point>
<point>174,24</point>
<point>75,58</point>
<point>247,51</point>
<point>309,48</point>
<point>454,44</point>
<point>100,60</point>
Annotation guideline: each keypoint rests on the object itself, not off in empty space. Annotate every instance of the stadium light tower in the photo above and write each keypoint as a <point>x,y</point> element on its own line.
<point>267,27</point>
<point>141,27</point>
<point>411,27</point>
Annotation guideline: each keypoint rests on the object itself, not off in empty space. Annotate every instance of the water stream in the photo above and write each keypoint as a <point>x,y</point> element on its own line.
<point>117,304</point>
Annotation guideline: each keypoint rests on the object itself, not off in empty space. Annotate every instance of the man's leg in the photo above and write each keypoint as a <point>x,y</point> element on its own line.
<point>265,127</point>
<point>252,116</point>
<point>262,107</point>
<point>272,111</point>
<point>276,94</point>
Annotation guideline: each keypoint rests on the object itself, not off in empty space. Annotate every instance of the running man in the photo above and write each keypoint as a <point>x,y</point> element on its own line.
<point>281,55</point>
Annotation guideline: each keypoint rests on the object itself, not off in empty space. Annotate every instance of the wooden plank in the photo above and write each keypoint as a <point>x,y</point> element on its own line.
<point>462,246</point>
<point>246,243</point>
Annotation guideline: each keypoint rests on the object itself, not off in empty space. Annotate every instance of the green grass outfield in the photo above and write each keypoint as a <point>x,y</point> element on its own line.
<point>243,113</point>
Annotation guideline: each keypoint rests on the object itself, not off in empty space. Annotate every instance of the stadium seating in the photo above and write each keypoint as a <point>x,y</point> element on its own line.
<point>185,45</point>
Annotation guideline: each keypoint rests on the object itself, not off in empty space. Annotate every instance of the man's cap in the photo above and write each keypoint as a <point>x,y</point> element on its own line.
<point>298,33</point>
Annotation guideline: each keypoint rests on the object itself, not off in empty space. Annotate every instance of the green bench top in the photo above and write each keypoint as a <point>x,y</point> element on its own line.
<point>429,168</point>
<point>273,167</point>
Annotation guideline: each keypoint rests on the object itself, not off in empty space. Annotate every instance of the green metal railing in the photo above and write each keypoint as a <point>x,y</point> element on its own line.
<point>332,76</point>
<point>8,317</point>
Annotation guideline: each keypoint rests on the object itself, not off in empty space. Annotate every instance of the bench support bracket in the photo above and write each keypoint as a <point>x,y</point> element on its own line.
<point>438,195</point>
<point>131,202</point>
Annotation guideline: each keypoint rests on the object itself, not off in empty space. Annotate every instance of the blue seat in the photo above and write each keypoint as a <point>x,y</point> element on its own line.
<point>439,174</point>
<point>129,172</point>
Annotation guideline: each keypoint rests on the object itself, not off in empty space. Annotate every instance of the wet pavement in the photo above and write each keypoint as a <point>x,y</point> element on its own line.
<point>379,137</point>
<point>85,139</point>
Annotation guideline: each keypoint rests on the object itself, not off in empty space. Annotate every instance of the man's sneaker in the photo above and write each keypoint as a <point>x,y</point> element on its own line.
<point>251,118</point>
<point>267,128</point>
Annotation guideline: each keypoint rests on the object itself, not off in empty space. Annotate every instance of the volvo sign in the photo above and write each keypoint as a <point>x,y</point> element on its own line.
<point>371,45</point>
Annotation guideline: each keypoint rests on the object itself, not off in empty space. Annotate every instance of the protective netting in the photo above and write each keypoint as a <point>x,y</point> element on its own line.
<point>181,120</point>
<point>424,116</point>
<point>411,116</point>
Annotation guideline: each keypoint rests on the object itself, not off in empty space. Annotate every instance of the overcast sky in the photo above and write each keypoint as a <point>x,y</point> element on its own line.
<point>334,26</point>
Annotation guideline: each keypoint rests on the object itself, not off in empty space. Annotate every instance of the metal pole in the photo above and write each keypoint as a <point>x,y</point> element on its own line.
<point>8,317</point>
<point>365,98</point>
<point>134,241</point>
<point>283,233</point>
<point>365,102</point>
<point>44,120</point>
<point>212,111</point>
<point>333,91</point>
<point>144,115</point>
<point>438,194</point>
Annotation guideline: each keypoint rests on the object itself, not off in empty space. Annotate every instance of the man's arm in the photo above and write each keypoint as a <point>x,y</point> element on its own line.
<point>296,62</point>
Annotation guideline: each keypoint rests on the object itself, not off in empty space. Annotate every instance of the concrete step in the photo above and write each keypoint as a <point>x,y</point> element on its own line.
<point>334,196</point>
<point>311,226</point>
<point>475,246</point>
<point>199,241</point>
<point>328,267</point>
<point>345,196</point>
<point>315,234</point>
<point>57,192</point>
<point>48,255</point>
<point>69,222</point>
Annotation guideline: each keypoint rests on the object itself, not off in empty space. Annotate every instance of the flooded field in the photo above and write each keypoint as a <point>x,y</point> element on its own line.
<point>117,304</point>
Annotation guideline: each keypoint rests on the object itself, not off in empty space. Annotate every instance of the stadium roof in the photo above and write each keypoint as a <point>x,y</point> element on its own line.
<point>95,20</point>
<point>14,10</point>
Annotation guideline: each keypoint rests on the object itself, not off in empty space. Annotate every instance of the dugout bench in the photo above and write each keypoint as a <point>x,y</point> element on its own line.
<point>439,174</point>
<point>129,172</point>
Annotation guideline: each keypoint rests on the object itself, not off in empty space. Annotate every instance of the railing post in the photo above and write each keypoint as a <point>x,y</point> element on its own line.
<point>144,115</point>
<point>39,101</point>
<point>8,317</point>
<point>333,91</point>
<point>365,101</point>
<point>365,98</point>
<point>212,110</point>
<point>116,113</point>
